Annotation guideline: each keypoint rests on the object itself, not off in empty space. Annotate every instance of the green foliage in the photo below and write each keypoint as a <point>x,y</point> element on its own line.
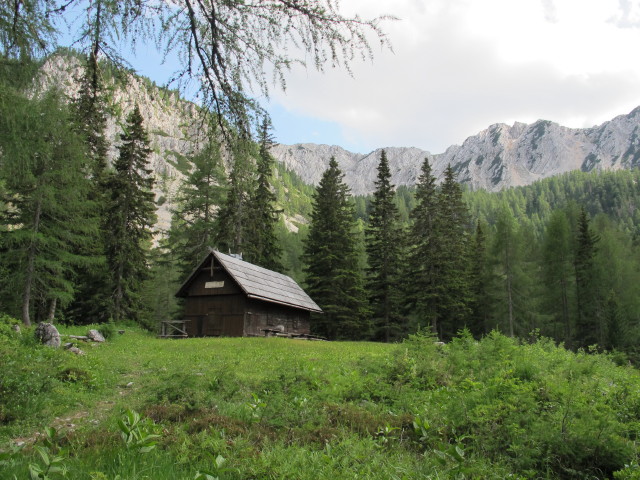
<point>217,468</point>
<point>8,328</point>
<point>51,215</point>
<point>138,434</point>
<point>384,246</point>
<point>331,254</point>
<point>26,29</point>
<point>194,220</point>
<point>52,463</point>
<point>438,286</point>
<point>263,248</point>
<point>129,216</point>
<point>234,224</point>
<point>28,375</point>
<point>468,409</point>
<point>108,330</point>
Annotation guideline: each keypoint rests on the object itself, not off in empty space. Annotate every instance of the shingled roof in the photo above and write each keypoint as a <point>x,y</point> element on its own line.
<point>258,282</point>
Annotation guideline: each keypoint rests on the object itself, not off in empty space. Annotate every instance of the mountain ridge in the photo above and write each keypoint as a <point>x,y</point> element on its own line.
<point>498,157</point>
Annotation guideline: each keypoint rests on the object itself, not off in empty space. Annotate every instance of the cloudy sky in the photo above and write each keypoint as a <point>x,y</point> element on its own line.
<point>458,66</point>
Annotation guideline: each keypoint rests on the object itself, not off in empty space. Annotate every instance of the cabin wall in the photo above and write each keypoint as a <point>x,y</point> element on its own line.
<point>215,306</point>
<point>265,315</point>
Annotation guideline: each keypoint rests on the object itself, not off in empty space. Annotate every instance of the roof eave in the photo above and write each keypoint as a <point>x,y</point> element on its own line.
<point>299,307</point>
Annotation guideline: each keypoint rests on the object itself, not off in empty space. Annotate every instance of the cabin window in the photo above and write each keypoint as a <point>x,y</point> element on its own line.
<point>214,284</point>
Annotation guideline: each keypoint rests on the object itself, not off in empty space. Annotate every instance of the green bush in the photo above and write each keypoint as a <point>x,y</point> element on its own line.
<point>8,327</point>
<point>108,330</point>
<point>27,375</point>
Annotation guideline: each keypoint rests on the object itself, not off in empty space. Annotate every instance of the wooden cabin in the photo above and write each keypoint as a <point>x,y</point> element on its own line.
<point>226,296</point>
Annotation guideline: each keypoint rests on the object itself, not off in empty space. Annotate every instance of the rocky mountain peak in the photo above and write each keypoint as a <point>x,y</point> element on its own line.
<point>498,157</point>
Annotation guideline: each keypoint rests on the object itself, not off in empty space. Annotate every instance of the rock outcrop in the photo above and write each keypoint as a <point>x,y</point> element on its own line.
<point>48,334</point>
<point>498,157</point>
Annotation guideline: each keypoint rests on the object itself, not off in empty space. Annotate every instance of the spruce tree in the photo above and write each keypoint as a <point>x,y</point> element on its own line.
<point>590,328</point>
<point>333,276</point>
<point>129,216</point>
<point>193,224</point>
<point>557,272</point>
<point>263,248</point>
<point>49,217</point>
<point>233,231</point>
<point>451,262</point>
<point>506,250</point>
<point>90,112</point>
<point>384,253</point>
<point>479,281</point>
<point>90,119</point>
<point>421,288</point>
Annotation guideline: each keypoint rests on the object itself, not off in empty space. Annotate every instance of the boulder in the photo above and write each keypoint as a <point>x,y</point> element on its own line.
<point>95,336</point>
<point>48,334</point>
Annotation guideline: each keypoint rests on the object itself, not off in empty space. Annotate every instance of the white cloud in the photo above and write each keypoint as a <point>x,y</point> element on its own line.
<point>460,65</point>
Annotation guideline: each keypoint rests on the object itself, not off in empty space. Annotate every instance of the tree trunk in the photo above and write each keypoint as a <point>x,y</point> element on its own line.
<point>51,314</point>
<point>565,313</point>
<point>30,272</point>
<point>510,301</point>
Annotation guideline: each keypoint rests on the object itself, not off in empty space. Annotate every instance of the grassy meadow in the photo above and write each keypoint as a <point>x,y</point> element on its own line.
<point>138,407</point>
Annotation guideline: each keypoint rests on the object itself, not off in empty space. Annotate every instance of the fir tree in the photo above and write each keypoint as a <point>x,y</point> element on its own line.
<point>48,218</point>
<point>384,253</point>
<point>194,221</point>
<point>451,284</point>
<point>263,248</point>
<point>421,290</point>
<point>557,272</point>
<point>89,112</point>
<point>479,280</point>
<point>129,217</point>
<point>589,328</point>
<point>333,276</point>
<point>233,231</point>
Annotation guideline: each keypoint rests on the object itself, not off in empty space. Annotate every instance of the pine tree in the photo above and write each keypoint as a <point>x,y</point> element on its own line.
<point>333,276</point>
<point>263,248</point>
<point>557,273</point>
<point>90,119</point>
<point>424,241</point>
<point>507,254</point>
<point>129,216</point>
<point>233,231</point>
<point>589,327</point>
<point>452,287</point>
<point>384,253</point>
<point>48,219</point>
<point>193,224</point>
<point>479,280</point>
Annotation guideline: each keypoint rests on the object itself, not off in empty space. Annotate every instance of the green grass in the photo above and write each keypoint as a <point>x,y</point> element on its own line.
<point>276,408</point>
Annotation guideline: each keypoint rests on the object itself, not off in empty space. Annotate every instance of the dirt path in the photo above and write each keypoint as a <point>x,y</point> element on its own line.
<point>79,418</point>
